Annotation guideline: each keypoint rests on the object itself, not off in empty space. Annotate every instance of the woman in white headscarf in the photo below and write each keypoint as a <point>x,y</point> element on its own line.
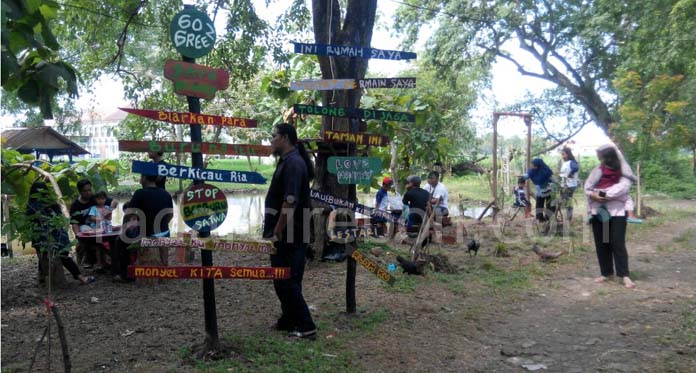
<point>607,188</point>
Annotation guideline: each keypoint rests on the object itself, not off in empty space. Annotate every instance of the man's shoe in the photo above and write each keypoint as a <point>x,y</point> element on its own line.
<point>309,335</point>
<point>282,327</point>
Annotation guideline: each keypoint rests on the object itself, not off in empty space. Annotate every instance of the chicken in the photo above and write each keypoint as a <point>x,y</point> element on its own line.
<point>409,267</point>
<point>473,245</point>
<point>543,255</point>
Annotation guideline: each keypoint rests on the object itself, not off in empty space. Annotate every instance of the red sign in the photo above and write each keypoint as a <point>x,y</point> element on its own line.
<point>355,138</point>
<point>196,80</point>
<point>192,118</point>
<point>213,272</point>
<point>195,147</point>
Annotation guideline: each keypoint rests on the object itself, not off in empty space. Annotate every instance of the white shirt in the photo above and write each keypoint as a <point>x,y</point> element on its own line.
<point>440,193</point>
<point>570,182</point>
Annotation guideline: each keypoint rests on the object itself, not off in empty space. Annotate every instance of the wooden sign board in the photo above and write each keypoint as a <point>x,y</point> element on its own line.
<point>196,80</point>
<point>182,172</point>
<point>354,113</point>
<point>203,207</point>
<point>373,267</point>
<point>192,118</point>
<point>354,170</point>
<point>344,235</point>
<point>323,85</point>
<point>240,246</point>
<point>355,138</point>
<point>212,272</point>
<point>354,206</point>
<point>195,147</point>
<point>192,33</point>
<point>349,51</point>
<point>387,83</point>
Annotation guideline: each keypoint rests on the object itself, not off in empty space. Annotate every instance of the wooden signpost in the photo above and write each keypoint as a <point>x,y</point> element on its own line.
<point>344,235</point>
<point>210,272</point>
<point>347,112</point>
<point>182,172</point>
<point>240,246</point>
<point>345,84</point>
<point>196,80</point>
<point>192,118</point>
<point>355,138</point>
<point>195,147</point>
<point>350,51</point>
<point>354,170</point>
<point>373,267</point>
<point>203,207</point>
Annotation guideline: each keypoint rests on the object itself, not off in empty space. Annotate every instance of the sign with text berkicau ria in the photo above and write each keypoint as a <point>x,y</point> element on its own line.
<point>192,118</point>
<point>210,272</point>
<point>195,80</point>
<point>198,147</point>
<point>344,84</point>
<point>192,33</point>
<point>203,207</point>
<point>182,172</point>
<point>355,138</point>
<point>354,113</point>
<point>350,51</point>
<point>354,170</point>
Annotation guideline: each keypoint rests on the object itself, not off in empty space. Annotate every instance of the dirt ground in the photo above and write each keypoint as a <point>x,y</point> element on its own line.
<point>503,314</point>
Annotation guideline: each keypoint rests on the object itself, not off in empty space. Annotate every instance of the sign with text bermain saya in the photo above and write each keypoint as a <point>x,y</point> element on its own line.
<point>192,118</point>
<point>196,80</point>
<point>351,51</point>
<point>192,33</point>
<point>354,113</point>
<point>182,172</point>
<point>343,84</point>
<point>195,147</point>
<point>354,170</point>
<point>210,272</point>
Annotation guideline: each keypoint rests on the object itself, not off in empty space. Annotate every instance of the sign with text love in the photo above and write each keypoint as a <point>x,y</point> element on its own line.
<point>192,32</point>
<point>203,207</point>
<point>192,118</point>
<point>212,272</point>
<point>355,206</point>
<point>196,80</point>
<point>354,113</point>
<point>373,267</point>
<point>182,172</point>
<point>195,147</point>
<point>240,246</point>
<point>355,138</point>
<point>349,51</point>
<point>354,170</point>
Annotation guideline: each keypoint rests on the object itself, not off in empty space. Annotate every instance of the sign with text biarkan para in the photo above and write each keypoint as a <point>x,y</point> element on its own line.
<point>203,207</point>
<point>192,32</point>
<point>354,170</point>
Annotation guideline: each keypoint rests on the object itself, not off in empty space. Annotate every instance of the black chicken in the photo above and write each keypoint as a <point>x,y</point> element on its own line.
<point>473,245</point>
<point>409,267</point>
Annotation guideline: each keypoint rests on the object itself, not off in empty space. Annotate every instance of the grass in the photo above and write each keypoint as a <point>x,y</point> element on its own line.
<point>687,239</point>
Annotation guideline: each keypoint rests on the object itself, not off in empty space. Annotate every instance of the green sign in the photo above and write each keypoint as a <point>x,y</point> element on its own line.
<point>354,170</point>
<point>192,33</point>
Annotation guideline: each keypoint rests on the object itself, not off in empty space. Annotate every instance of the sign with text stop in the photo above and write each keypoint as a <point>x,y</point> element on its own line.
<point>192,33</point>
<point>203,207</point>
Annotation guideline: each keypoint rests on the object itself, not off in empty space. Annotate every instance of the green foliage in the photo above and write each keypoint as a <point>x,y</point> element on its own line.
<point>668,173</point>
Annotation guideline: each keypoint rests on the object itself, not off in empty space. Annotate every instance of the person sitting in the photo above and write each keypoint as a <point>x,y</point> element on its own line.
<point>417,200</point>
<point>521,197</point>
<point>79,213</point>
<point>438,194</point>
<point>382,203</point>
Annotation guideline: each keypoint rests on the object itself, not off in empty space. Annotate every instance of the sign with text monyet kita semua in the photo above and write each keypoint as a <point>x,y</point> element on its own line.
<point>354,170</point>
<point>192,32</point>
<point>203,207</point>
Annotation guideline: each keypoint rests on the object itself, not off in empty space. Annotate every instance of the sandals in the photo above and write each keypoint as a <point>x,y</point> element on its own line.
<point>88,280</point>
<point>628,283</point>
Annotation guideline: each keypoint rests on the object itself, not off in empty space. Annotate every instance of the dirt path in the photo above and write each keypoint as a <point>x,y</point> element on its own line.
<point>495,315</point>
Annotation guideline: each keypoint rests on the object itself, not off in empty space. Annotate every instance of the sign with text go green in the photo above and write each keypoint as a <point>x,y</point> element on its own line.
<point>192,33</point>
<point>354,170</point>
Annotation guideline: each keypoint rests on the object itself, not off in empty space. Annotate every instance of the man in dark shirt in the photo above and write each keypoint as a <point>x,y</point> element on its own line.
<point>417,200</point>
<point>157,159</point>
<point>287,203</point>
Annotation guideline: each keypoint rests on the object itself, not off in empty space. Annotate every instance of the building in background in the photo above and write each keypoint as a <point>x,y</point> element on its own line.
<point>96,134</point>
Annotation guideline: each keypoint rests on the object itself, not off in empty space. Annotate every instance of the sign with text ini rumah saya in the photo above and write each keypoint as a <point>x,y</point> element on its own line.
<point>212,272</point>
<point>354,170</point>
<point>196,80</point>
<point>195,147</point>
<point>192,33</point>
<point>203,207</point>
<point>182,172</point>
<point>192,118</point>
<point>351,51</point>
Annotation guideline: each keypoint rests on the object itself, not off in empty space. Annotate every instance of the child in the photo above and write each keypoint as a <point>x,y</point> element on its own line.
<point>521,198</point>
<point>99,217</point>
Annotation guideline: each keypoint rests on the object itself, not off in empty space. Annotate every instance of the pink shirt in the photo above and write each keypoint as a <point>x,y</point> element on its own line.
<point>616,195</point>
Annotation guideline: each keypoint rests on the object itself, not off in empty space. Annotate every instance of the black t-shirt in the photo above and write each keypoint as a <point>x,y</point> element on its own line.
<point>290,182</point>
<point>161,180</point>
<point>152,201</point>
<point>80,211</point>
<point>417,201</point>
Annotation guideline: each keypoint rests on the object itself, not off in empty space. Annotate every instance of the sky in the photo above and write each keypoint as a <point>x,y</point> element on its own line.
<point>507,87</point>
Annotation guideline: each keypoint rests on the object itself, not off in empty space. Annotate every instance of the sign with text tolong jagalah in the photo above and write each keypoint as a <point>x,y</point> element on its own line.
<point>195,80</point>
<point>192,33</point>
<point>347,112</point>
<point>354,170</point>
<point>203,207</point>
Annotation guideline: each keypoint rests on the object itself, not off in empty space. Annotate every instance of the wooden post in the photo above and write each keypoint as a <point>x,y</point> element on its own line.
<point>528,122</point>
<point>494,189</point>
<point>639,195</point>
<point>351,264</point>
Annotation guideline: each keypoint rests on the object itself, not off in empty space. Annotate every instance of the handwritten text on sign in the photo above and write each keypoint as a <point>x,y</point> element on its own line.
<point>192,118</point>
<point>194,147</point>
<point>203,207</point>
<point>354,113</point>
<point>262,247</point>
<point>345,84</point>
<point>350,51</point>
<point>345,235</point>
<point>355,206</point>
<point>354,170</point>
<point>371,266</point>
<point>355,138</point>
<point>181,172</point>
<point>213,272</point>
<point>196,80</point>
<point>192,33</point>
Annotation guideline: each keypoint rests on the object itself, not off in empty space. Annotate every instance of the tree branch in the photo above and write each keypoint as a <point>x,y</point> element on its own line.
<point>560,142</point>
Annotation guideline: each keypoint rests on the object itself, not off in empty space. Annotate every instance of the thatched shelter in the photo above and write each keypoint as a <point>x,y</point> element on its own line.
<point>41,140</point>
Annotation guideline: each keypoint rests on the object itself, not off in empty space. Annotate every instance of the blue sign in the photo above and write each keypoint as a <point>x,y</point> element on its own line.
<point>181,172</point>
<point>349,51</point>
